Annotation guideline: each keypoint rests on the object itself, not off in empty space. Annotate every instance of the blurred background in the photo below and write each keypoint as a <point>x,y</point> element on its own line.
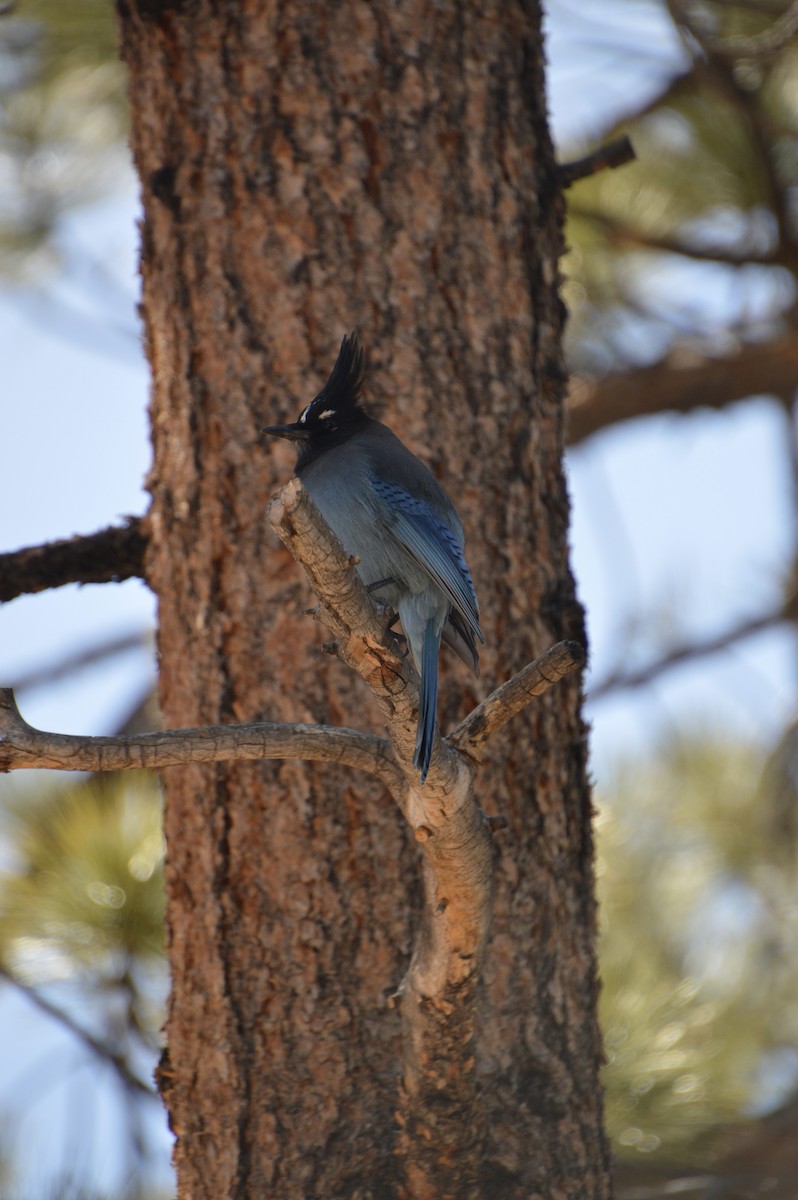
<point>683,468</point>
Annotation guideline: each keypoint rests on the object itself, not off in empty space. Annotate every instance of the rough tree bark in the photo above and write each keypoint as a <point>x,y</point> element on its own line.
<point>306,169</point>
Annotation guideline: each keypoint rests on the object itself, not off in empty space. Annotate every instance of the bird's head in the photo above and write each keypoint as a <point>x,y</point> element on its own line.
<point>337,404</point>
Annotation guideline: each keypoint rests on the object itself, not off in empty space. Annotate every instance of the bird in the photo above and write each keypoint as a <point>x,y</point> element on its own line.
<point>389,511</point>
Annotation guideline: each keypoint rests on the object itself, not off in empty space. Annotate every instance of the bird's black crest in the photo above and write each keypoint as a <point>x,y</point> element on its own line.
<point>339,399</point>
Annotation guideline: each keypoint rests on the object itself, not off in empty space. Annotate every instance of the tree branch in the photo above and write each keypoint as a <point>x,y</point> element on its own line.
<point>614,154</point>
<point>364,642</point>
<point>23,747</point>
<point>513,696</point>
<point>439,1108</point>
<point>671,385</point>
<point>621,234</point>
<point>80,659</point>
<point>119,1064</point>
<point>715,63</point>
<point>622,680</point>
<point>766,44</point>
<point>108,556</point>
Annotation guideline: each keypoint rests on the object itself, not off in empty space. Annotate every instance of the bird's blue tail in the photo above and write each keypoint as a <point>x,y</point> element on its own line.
<point>425,734</point>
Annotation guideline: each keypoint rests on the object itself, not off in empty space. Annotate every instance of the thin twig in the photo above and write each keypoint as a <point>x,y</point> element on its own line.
<point>614,154</point>
<point>114,1060</point>
<point>623,680</point>
<point>714,63</point>
<point>81,659</point>
<point>506,701</point>
<point>620,233</point>
<point>765,44</point>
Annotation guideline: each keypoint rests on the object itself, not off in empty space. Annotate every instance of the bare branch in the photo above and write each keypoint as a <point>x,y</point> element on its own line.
<point>619,233</point>
<point>765,44</point>
<point>22,746</point>
<point>364,642</point>
<point>763,141</point>
<point>716,64</point>
<point>682,383</point>
<point>98,1048</point>
<point>622,680</point>
<point>614,154</point>
<point>81,659</point>
<point>513,696</point>
<point>440,989</point>
<point>109,556</point>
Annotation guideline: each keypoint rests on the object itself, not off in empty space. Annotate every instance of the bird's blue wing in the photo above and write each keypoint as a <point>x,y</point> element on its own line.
<point>434,547</point>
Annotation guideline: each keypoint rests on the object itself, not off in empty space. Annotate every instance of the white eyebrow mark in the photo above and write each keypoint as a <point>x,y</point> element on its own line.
<point>328,412</point>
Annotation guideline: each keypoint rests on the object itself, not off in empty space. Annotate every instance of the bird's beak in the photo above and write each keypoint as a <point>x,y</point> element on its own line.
<point>292,433</point>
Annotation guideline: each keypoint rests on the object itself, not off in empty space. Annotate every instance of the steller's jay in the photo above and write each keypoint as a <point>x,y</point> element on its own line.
<point>387,508</point>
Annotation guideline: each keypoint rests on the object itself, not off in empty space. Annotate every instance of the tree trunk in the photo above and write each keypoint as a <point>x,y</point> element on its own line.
<point>307,169</point>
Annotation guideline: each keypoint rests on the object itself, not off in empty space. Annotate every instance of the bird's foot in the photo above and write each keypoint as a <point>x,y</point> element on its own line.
<point>379,583</point>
